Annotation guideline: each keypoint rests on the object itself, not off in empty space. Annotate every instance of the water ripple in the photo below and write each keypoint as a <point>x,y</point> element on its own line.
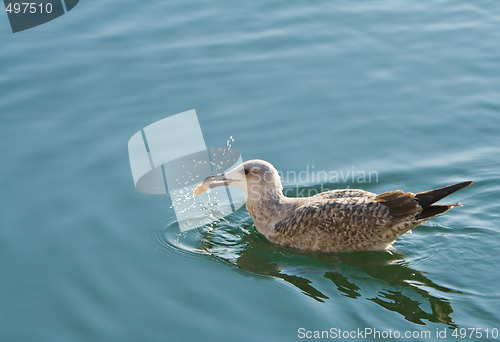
<point>380,277</point>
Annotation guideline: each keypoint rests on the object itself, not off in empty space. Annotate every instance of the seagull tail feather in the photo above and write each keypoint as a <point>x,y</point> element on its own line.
<point>427,198</point>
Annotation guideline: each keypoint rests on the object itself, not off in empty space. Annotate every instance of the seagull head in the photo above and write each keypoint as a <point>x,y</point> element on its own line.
<point>258,178</point>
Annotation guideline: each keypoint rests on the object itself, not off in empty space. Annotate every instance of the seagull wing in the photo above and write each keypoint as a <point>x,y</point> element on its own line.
<point>348,223</point>
<point>343,193</point>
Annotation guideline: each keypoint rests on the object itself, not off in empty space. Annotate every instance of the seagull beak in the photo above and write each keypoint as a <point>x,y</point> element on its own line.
<point>220,180</point>
<point>213,182</point>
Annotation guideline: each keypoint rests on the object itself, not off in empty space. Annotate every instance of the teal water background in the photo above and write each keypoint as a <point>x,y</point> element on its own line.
<point>409,90</point>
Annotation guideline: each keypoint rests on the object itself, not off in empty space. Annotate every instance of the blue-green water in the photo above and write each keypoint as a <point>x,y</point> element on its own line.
<point>409,90</point>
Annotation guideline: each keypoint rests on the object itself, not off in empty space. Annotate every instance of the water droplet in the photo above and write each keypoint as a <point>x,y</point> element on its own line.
<point>230,141</point>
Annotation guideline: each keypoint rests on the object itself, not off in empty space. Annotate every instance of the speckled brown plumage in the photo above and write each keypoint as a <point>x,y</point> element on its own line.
<point>366,222</point>
<point>332,221</point>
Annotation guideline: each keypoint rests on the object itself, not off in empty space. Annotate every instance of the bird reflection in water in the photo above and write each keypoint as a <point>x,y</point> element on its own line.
<point>402,289</point>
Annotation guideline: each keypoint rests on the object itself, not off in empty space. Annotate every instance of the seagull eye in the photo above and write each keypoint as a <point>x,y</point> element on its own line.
<point>247,172</point>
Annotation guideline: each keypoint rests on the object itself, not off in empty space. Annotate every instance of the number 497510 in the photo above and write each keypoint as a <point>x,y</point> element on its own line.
<point>28,7</point>
<point>474,333</point>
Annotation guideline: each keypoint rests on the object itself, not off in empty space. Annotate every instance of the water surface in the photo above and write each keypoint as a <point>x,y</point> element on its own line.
<point>409,90</point>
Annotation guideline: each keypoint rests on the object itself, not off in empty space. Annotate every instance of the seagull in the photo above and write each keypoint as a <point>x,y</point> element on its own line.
<point>331,221</point>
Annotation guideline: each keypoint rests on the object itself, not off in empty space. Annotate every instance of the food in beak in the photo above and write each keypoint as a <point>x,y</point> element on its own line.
<point>202,187</point>
<point>211,182</point>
